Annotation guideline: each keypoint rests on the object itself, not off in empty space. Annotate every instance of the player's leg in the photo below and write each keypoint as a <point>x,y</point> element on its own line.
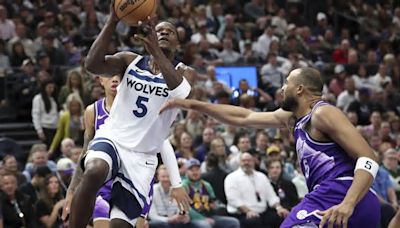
<point>395,221</point>
<point>98,164</point>
<point>119,223</point>
<point>306,225</point>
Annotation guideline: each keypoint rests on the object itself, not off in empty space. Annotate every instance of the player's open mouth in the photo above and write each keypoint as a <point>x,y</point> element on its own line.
<point>163,39</point>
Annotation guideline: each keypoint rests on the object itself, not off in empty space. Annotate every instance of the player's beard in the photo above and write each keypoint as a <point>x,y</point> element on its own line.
<point>289,104</point>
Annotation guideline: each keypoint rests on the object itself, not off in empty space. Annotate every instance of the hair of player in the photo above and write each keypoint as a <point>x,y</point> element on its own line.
<point>311,79</point>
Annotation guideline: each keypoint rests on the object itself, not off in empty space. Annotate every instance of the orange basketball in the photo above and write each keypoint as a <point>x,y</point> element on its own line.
<point>132,11</point>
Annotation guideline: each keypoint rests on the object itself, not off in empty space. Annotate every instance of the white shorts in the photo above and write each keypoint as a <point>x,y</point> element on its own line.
<point>132,174</point>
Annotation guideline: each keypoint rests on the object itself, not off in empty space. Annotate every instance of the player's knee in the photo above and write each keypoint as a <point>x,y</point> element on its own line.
<point>96,172</point>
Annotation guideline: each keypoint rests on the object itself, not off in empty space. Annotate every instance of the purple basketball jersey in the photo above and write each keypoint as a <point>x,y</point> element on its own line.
<point>320,160</point>
<point>328,171</point>
<point>101,114</point>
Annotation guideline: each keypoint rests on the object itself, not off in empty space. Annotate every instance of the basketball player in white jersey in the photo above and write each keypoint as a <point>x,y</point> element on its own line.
<point>124,148</point>
<point>95,116</point>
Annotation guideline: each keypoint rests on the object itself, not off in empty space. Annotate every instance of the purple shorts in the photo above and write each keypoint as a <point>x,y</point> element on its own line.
<point>101,209</point>
<point>330,193</point>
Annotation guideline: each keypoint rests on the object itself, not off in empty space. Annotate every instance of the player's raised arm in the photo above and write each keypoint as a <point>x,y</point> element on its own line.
<point>326,120</point>
<point>97,61</point>
<point>234,115</point>
<point>161,42</point>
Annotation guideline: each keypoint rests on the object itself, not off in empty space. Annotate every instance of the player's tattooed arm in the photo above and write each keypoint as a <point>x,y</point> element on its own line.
<point>77,176</point>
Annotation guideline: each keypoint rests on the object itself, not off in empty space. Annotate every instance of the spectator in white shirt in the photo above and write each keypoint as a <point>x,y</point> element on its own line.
<point>265,39</point>
<point>45,113</point>
<point>203,34</point>
<point>271,73</point>
<point>7,26</point>
<point>164,211</point>
<point>380,78</point>
<point>349,95</point>
<point>228,55</point>
<point>248,193</point>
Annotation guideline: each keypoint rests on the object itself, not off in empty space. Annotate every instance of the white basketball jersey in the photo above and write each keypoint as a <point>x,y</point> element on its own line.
<point>135,122</point>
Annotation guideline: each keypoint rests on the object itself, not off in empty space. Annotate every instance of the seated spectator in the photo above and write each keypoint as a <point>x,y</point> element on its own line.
<point>391,164</point>
<point>39,157</point>
<point>70,124</point>
<point>33,187</point>
<point>284,189</point>
<point>45,112</point>
<point>67,145</point>
<point>217,148</point>
<point>216,176</point>
<point>164,212</point>
<point>249,193</point>
<point>228,55</point>
<point>75,153</point>
<point>207,136</point>
<point>65,169</point>
<point>185,149</point>
<point>336,86</point>
<point>241,145</point>
<point>244,88</point>
<point>347,96</point>
<point>202,194</point>
<point>379,79</point>
<point>50,204</point>
<point>11,165</point>
<point>74,84</point>
<point>17,208</point>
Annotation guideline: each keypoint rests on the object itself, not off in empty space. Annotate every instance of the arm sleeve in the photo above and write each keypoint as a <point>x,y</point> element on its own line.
<point>36,114</point>
<point>182,91</point>
<point>168,158</point>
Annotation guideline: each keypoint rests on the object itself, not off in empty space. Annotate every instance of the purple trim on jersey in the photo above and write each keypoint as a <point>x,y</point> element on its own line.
<point>100,207</point>
<point>146,208</point>
<point>101,113</point>
<point>320,160</point>
<point>330,193</point>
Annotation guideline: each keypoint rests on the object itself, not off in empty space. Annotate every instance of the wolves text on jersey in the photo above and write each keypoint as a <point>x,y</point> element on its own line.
<point>147,88</point>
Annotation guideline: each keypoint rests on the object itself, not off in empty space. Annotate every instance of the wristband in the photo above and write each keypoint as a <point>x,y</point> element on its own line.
<point>368,165</point>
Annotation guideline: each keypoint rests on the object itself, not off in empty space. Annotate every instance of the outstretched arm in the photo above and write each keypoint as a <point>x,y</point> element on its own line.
<point>234,115</point>
<point>326,119</point>
<point>77,176</point>
<point>97,60</point>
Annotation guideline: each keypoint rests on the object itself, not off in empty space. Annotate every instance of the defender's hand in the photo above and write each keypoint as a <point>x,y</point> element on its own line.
<point>337,215</point>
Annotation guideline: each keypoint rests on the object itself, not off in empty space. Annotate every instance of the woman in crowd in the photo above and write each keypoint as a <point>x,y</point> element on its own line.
<point>45,112</point>
<point>74,84</point>
<point>185,149</point>
<point>70,124</point>
<point>11,165</point>
<point>50,203</point>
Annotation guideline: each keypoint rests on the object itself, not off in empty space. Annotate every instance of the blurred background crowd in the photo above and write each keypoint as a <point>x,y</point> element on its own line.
<point>44,89</point>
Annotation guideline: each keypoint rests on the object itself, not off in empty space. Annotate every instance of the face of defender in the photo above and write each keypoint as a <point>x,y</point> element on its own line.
<point>110,84</point>
<point>167,36</point>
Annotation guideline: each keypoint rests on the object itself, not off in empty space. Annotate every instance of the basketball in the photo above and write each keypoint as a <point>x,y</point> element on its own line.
<point>132,11</point>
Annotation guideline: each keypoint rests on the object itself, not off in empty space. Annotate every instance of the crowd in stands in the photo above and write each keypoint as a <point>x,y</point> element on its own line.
<point>233,175</point>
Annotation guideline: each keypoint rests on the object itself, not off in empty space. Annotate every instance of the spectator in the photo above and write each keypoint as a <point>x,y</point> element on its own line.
<point>349,95</point>
<point>74,84</point>
<point>374,127</point>
<point>391,165</point>
<point>75,154</point>
<point>216,176</point>
<point>271,75</point>
<point>18,54</point>
<point>340,55</point>
<point>241,144</point>
<point>21,36</point>
<point>185,148</point>
<point>204,35</point>
<point>7,26</point>
<point>10,165</point>
<point>164,212</point>
<point>45,112</point>
<point>207,136</point>
<point>73,54</point>
<point>380,79</point>
<point>284,189</point>
<point>336,86</point>
<point>32,188</point>
<point>361,79</point>
<point>202,194</point>
<point>50,203</point>
<point>17,208</point>
<point>39,157</point>
<point>67,145</point>
<point>249,193</point>
<point>70,124</point>
<point>265,40</point>
<point>228,55</point>
<point>65,169</point>
<point>244,88</point>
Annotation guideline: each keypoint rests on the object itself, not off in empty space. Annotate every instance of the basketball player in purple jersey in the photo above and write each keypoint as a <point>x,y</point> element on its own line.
<point>337,162</point>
